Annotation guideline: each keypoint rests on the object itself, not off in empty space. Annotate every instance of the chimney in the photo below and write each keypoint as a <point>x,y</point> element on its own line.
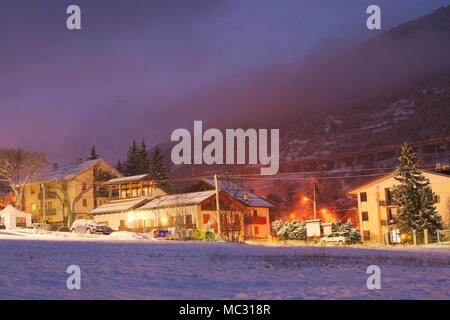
<point>245,196</point>
<point>79,161</point>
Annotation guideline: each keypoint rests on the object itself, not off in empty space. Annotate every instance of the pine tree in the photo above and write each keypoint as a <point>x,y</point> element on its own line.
<point>144,162</point>
<point>132,163</point>
<point>414,196</point>
<point>119,166</point>
<point>92,154</point>
<point>158,168</point>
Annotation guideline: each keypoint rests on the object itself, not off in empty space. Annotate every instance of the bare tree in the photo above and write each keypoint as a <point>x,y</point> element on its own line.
<point>232,213</point>
<point>60,187</point>
<point>18,167</point>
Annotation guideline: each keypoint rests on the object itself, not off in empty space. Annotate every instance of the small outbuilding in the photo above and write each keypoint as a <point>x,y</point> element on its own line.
<point>13,218</point>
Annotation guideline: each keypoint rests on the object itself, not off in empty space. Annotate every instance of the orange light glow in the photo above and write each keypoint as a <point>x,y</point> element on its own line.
<point>292,216</point>
<point>305,199</point>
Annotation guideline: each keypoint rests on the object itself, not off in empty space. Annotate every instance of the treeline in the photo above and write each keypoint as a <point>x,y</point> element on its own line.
<point>140,160</point>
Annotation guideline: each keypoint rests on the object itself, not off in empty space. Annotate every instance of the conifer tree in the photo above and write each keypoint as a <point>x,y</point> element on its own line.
<point>144,162</point>
<point>131,164</point>
<point>159,169</point>
<point>93,154</point>
<point>119,166</point>
<point>414,196</point>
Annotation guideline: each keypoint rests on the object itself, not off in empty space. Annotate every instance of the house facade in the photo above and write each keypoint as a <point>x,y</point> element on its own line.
<point>126,195</point>
<point>378,213</point>
<point>138,205</point>
<point>73,189</point>
<point>194,210</point>
<point>257,216</point>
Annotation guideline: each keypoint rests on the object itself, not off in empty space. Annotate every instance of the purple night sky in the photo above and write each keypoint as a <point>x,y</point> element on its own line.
<point>62,91</point>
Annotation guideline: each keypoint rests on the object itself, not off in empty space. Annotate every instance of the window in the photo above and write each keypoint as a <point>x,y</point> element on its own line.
<point>205,218</point>
<point>363,196</point>
<point>84,202</point>
<point>255,213</point>
<point>366,235</point>
<point>84,186</point>
<point>33,206</point>
<point>33,190</point>
<point>388,196</point>
<point>122,225</point>
<point>365,216</point>
<point>256,230</point>
<point>188,219</point>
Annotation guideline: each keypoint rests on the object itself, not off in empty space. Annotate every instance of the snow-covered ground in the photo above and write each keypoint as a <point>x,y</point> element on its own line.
<point>127,267</point>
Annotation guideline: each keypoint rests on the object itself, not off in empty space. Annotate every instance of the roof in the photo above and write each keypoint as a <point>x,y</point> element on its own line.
<point>388,176</point>
<point>237,192</point>
<point>127,179</point>
<point>10,210</point>
<point>181,199</point>
<point>68,171</point>
<point>117,206</point>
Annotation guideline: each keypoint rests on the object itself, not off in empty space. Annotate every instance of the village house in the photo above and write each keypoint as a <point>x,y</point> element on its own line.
<point>257,217</point>
<point>68,192</point>
<point>378,213</point>
<point>127,194</point>
<point>137,204</point>
<point>193,210</point>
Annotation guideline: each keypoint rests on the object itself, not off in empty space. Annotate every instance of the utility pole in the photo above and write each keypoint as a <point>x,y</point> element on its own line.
<point>219,226</point>
<point>314,201</point>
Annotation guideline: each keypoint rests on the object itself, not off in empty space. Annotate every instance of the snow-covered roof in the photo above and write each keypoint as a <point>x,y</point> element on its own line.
<point>388,176</point>
<point>117,206</point>
<point>174,200</point>
<point>127,179</point>
<point>68,171</point>
<point>11,211</point>
<point>252,200</point>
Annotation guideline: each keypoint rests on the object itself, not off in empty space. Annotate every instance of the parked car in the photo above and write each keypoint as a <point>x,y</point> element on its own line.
<point>89,226</point>
<point>2,225</point>
<point>336,238</point>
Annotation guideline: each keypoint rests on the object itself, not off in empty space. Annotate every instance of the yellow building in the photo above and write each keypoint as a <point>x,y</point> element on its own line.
<point>378,213</point>
<point>68,192</point>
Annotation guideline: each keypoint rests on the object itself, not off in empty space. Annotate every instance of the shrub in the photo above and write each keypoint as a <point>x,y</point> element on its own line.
<point>289,230</point>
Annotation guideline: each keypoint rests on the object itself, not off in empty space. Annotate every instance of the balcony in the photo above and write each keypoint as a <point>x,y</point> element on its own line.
<point>48,195</point>
<point>386,203</point>
<point>255,220</point>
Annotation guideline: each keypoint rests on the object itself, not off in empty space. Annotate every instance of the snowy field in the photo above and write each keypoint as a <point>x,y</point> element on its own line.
<point>129,266</point>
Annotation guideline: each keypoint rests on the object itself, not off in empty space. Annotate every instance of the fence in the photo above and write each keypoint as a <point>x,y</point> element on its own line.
<point>427,237</point>
<point>443,236</point>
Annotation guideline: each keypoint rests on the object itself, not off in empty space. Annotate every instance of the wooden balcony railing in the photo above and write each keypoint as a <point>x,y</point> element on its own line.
<point>255,220</point>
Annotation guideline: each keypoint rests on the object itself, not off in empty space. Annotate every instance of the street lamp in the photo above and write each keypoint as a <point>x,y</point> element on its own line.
<point>313,201</point>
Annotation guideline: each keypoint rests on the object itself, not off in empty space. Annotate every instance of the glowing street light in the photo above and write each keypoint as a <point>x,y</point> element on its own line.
<point>313,201</point>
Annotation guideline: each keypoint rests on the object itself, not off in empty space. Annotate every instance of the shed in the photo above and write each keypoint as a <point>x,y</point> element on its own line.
<point>14,218</point>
